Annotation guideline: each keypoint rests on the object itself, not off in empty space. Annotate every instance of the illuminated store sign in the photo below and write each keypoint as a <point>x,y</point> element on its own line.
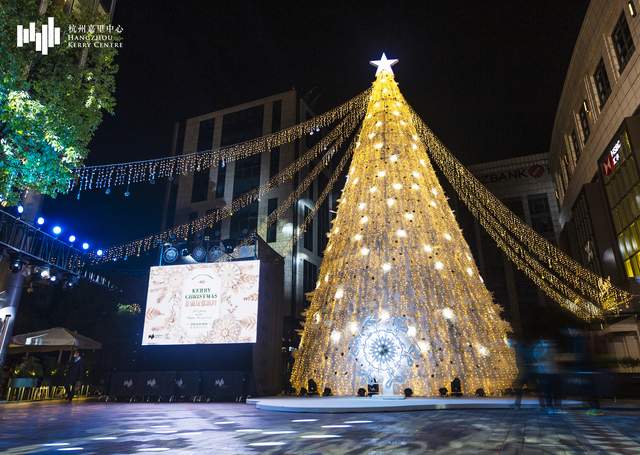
<point>611,160</point>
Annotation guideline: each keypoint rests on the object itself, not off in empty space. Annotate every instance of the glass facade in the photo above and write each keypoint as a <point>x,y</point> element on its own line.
<point>584,122</point>
<point>619,169</point>
<point>200,188</point>
<point>272,230</point>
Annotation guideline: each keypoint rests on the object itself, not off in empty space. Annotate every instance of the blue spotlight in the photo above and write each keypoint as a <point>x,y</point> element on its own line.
<point>99,252</point>
<point>40,221</point>
<point>85,246</point>
<point>72,238</point>
<point>56,230</point>
<point>20,209</point>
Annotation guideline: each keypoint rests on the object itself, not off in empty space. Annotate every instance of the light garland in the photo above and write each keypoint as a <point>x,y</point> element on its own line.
<point>121,174</point>
<point>330,144</point>
<point>575,286</point>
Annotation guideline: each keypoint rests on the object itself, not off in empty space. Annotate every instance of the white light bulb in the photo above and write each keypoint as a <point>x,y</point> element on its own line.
<point>384,315</point>
<point>378,146</point>
<point>379,123</point>
<point>357,237</point>
<point>353,327</point>
<point>483,351</point>
<point>403,123</point>
<point>373,189</point>
<point>416,174</point>
<point>326,278</point>
<point>411,331</point>
<point>447,236</point>
<point>423,345</point>
<point>382,173</point>
<point>439,265</point>
<point>364,219</point>
<point>335,336</point>
<point>447,313</point>
<point>356,180</point>
<point>364,251</point>
<point>362,206</point>
<point>397,186</point>
<point>391,202</point>
<point>433,204</point>
<point>415,186</point>
<point>371,135</point>
<point>428,248</point>
<point>393,158</point>
<point>316,317</point>
<point>469,271</point>
<point>396,113</point>
<point>423,163</point>
<point>339,293</point>
<point>317,284</point>
<point>386,266</point>
<point>414,146</point>
<point>414,137</point>
<point>434,191</point>
<point>408,216</point>
<point>401,233</point>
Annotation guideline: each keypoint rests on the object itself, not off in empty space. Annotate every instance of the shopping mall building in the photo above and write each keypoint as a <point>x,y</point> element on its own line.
<point>595,153</point>
<point>595,144</point>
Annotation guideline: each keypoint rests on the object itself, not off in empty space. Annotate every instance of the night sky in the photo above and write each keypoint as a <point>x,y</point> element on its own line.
<point>485,75</point>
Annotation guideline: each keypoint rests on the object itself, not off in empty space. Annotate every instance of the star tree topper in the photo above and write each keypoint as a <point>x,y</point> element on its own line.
<point>384,64</point>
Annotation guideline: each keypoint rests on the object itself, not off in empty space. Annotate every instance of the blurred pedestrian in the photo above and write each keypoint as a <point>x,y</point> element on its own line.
<point>585,371</point>
<point>548,375</point>
<point>526,375</point>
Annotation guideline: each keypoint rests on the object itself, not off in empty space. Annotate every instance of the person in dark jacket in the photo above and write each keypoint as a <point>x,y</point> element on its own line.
<point>75,374</point>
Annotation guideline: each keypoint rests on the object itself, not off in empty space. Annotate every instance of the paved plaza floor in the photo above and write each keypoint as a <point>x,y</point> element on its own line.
<point>228,428</point>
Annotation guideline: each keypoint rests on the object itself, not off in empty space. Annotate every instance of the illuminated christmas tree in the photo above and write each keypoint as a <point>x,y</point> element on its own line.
<point>399,299</point>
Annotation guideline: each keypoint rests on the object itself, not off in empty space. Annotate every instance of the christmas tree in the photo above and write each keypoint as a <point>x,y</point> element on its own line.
<point>399,300</point>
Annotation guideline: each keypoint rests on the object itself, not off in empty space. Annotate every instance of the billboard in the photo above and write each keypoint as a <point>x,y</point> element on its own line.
<point>202,304</point>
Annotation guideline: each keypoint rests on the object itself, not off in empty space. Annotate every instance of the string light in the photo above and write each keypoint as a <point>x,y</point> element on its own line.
<point>123,174</point>
<point>564,280</point>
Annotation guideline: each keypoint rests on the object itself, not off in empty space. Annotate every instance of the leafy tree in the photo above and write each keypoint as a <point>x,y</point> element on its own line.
<point>50,105</point>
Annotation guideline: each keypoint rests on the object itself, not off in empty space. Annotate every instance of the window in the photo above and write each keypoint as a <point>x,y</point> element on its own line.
<point>308,234</point>
<point>242,125</point>
<point>575,144</point>
<point>602,83</point>
<point>622,42</point>
<point>180,138</point>
<point>584,122</point>
<point>222,175</point>
<point>276,114</point>
<point>205,135</point>
<point>541,215</point>
<point>309,276</point>
<point>200,189</point>
<point>274,162</point>
<point>272,230</point>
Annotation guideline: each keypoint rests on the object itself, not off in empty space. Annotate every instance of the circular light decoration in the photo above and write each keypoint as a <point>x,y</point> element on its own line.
<point>56,230</point>
<point>40,221</point>
<point>385,351</point>
<point>170,255</point>
<point>99,252</point>
<point>20,209</point>
<point>199,254</point>
<point>447,313</point>
<point>85,246</point>
<point>72,238</point>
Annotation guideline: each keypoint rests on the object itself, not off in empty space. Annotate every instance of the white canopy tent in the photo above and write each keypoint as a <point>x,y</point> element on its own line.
<point>50,340</point>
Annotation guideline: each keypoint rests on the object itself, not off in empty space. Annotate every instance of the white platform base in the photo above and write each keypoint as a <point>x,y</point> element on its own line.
<point>388,397</point>
<point>357,404</point>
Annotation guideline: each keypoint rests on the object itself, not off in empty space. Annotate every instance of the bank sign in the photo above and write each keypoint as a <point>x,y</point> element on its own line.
<point>611,160</point>
<point>535,171</point>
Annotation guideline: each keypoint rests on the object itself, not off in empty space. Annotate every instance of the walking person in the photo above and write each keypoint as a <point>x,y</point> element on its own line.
<point>526,374</point>
<point>75,374</point>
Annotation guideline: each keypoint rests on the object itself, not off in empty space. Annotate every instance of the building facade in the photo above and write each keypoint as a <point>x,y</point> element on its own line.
<point>523,184</point>
<point>595,142</point>
<point>193,196</point>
